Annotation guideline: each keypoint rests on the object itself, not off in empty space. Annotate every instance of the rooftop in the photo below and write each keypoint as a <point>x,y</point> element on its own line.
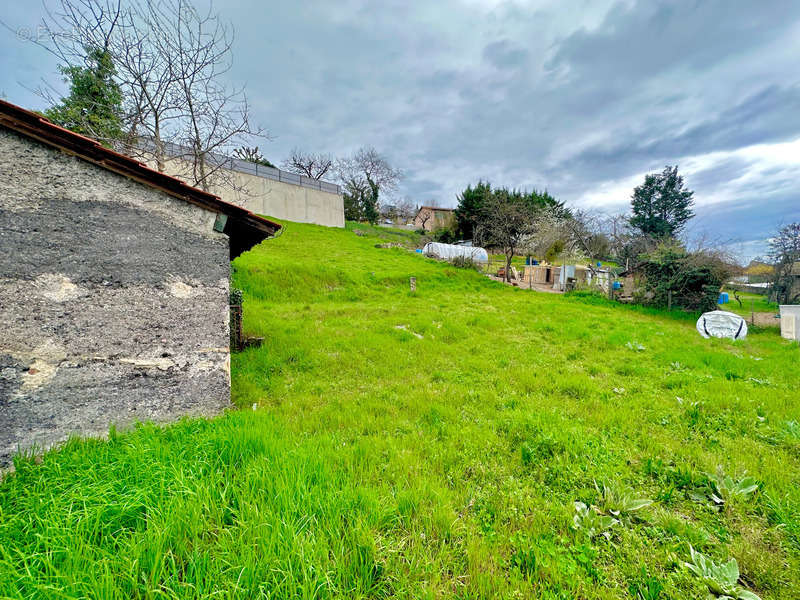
<point>244,228</point>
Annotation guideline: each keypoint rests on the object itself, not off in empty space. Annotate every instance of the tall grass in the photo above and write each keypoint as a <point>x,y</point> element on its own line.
<point>425,445</point>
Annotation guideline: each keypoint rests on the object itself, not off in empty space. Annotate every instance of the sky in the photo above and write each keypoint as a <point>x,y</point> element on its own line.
<point>579,97</point>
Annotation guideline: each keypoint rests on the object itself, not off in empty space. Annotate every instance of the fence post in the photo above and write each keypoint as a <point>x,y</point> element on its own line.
<point>752,312</point>
<point>412,281</point>
<point>669,300</point>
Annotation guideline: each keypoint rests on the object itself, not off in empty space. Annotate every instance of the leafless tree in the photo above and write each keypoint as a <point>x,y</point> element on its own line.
<point>423,216</point>
<point>252,155</point>
<point>406,209</point>
<point>616,227</point>
<point>367,165</point>
<point>170,62</point>
<point>785,254</point>
<point>586,235</point>
<point>506,224</point>
<point>311,165</point>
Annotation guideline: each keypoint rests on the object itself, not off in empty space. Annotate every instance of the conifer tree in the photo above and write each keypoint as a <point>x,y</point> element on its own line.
<point>93,106</point>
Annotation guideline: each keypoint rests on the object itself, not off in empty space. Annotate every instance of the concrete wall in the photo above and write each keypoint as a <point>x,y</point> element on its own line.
<point>272,198</point>
<point>113,301</point>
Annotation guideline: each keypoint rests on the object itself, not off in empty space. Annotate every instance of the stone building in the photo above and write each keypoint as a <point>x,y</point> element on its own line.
<point>431,218</point>
<point>114,283</point>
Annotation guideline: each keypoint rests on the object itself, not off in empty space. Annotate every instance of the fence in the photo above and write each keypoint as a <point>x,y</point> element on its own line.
<point>235,164</point>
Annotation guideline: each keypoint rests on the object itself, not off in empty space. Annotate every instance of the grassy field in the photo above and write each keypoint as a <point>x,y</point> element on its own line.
<point>755,302</point>
<point>430,445</point>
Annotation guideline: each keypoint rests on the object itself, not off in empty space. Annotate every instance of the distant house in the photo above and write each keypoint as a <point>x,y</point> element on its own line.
<point>430,218</point>
<point>114,288</point>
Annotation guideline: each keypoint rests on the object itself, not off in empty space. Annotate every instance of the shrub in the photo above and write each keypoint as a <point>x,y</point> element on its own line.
<point>694,278</point>
<point>464,262</point>
<point>445,235</point>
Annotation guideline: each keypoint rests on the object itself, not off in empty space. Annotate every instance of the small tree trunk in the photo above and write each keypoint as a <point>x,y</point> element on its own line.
<point>159,144</point>
<point>509,257</point>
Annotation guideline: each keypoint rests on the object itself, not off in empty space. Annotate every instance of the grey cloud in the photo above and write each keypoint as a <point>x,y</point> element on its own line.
<point>568,96</point>
<point>504,54</point>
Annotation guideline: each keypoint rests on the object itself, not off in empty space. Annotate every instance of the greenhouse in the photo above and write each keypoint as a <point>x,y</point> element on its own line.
<point>451,251</point>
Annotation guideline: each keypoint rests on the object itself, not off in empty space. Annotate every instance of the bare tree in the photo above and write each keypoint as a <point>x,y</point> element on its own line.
<point>507,222</point>
<point>355,172</point>
<point>586,236</point>
<point>212,116</point>
<point>311,165</point>
<point>785,253</point>
<point>617,229</point>
<point>252,155</point>
<point>406,209</point>
<point>170,61</point>
<point>364,175</point>
<point>423,216</point>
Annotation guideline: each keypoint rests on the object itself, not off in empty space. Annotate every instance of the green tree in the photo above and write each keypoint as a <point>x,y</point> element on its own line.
<point>507,219</point>
<point>473,200</point>
<point>361,204</point>
<point>538,200</point>
<point>363,176</point>
<point>470,208</point>
<point>370,201</point>
<point>94,105</point>
<point>661,206</point>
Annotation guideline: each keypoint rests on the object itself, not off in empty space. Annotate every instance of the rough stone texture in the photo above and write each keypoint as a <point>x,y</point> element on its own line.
<point>113,301</point>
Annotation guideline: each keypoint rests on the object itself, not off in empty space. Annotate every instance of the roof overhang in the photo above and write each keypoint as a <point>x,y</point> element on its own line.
<point>244,228</point>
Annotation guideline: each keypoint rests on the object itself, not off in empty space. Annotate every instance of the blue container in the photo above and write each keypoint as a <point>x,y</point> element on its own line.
<point>616,285</point>
<point>419,250</point>
<point>599,264</point>
<point>723,298</point>
<point>527,260</point>
<point>535,262</point>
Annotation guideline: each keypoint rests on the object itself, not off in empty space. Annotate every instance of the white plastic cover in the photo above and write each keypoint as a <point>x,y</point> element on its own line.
<point>722,324</point>
<point>451,251</point>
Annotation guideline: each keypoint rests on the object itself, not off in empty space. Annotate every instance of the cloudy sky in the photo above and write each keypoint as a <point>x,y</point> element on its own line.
<point>579,97</point>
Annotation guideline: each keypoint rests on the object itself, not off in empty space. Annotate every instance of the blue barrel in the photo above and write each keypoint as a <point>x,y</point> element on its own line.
<point>599,264</point>
<point>616,285</point>
<point>723,298</point>
<point>535,262</point>
<point>419,250</point>
<point>528,260</point>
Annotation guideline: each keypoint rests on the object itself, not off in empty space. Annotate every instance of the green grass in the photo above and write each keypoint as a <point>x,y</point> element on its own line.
<point>427,445</point>
<point>755,302</point>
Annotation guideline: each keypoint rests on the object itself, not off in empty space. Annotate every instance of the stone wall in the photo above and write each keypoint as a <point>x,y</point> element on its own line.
<point>113,301</point>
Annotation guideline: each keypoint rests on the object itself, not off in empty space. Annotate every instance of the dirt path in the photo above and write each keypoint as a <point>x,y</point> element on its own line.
<point>764,319</point>
<point>539,287</point>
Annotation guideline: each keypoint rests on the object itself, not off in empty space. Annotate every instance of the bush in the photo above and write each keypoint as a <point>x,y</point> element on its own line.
<point>694,278</point>
<point>445,235</point>
<point>464,262</point>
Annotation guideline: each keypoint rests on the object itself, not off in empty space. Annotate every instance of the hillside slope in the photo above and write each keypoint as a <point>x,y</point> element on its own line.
<point>428,444</point>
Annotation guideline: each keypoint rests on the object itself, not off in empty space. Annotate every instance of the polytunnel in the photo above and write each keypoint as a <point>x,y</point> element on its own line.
<point>451,251</point>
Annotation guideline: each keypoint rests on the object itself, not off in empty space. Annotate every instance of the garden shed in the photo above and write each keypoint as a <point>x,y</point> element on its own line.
<point>114,283</point>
